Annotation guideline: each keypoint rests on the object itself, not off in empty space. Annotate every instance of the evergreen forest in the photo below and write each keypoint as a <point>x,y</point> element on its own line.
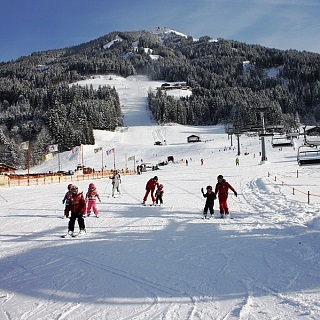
<point>231,81</point>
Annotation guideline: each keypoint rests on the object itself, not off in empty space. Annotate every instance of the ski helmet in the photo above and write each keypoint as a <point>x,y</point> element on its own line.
<point>69,186</point>
<point>74,188</point>
<point>209,188</point>
<point>91,186</point>
<point>155,178</point>
<point>220,177</point>
<point>161,186</point>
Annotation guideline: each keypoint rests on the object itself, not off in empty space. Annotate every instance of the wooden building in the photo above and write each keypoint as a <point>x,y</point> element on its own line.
<point>193,138</point>
<point>6,169</point>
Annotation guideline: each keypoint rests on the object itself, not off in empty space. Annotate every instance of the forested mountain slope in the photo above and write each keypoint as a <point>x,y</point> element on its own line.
<point>230,81</point>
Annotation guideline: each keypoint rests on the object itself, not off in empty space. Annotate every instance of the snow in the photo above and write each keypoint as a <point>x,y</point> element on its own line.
<point>166,262</point>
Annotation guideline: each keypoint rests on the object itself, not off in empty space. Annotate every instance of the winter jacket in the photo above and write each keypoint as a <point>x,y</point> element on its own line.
<point>77,203</point>
<point>211,196</point>
<point>223,187</point>
<point>116,178</point>
<point>66,198</point>
<point>152,184</point>
<point>92,195</point>
<point>159,192</point>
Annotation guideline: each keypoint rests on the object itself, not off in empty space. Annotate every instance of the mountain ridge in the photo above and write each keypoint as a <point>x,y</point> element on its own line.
<point>230,82</point>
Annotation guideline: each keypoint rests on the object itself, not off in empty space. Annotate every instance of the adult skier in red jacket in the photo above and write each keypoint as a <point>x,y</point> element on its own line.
<point>221,189</point>
<point>150,187</point>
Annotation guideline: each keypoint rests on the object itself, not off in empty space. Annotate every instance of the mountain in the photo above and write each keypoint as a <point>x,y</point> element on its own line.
<point>230,81</point>
<point>165,262</point>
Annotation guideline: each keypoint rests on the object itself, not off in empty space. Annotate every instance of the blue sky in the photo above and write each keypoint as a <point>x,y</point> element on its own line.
<point>27,26</point>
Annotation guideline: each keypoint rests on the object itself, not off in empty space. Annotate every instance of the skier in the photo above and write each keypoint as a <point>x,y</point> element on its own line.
<point>116,180</point>
<point>150,186</point>
<point>211,196</point>
<point>237,161</point>
<point>91,200</point>
<point>159,194</point>
<point>66,201</point>
<point>221,189</point>
<point>78,210</point>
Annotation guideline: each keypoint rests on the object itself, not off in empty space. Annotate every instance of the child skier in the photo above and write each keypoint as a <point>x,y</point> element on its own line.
<point>78,210</point>
<point>159,194</point>
<point>66,201</point>
<point>211,196</point>
<point>91,200</point>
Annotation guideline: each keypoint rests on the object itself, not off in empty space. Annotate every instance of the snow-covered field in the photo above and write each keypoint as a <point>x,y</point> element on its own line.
<point>166,262</point>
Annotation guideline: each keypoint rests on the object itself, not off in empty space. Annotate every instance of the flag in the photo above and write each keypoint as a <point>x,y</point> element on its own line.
<point>24,145</point>
<point>76,149</point>
<point>48,156</point>
<point>131,158</point>
<point>110,151</point>
<point>52,148</point>
<point>97,150</point>
<point>75,152</point>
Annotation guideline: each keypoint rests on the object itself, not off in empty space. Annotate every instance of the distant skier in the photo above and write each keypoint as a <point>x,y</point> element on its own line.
<point>78,210</point>
<point>150,187</point>
<point>221,189</point>
<point>211,196</point>
<point>159,194</point>
<point>237,161</point>
<point>91,200</point>
<point>66,201</point>
<point>116,181</point>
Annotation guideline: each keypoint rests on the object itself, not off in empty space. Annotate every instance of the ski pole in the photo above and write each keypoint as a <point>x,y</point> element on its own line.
<point>4,198</point>
<point>106,186</point>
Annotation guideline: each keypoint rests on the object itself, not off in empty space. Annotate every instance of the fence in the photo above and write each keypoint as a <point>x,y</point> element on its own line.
<point>308,194</point>
<point>32,180</point>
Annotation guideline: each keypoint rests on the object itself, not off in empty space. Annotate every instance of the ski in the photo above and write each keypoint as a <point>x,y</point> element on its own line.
<point>226,217</point>
<point>73,235</point>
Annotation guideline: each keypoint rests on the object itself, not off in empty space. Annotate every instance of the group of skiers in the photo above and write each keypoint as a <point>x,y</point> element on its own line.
<point>78,206</point>
<point>221,189</point>
<point>157,195</point>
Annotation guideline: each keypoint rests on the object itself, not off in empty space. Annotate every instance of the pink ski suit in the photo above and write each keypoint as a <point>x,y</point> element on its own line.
<point>91,199</point>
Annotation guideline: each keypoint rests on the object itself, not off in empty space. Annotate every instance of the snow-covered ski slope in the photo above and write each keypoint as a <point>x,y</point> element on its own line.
<point>139,262</point>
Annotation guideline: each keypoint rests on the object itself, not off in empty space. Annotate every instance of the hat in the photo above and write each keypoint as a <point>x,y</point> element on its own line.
<point>220,177</point>
<point>155,178</point>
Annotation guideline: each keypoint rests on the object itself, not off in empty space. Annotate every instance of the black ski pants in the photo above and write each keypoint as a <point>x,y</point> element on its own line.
<point>73,218</point>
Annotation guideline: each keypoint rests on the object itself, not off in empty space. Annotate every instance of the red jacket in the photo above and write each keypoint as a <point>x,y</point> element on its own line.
<point>78,204</point>
<point>151,184</point>
<point>223,187</point>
